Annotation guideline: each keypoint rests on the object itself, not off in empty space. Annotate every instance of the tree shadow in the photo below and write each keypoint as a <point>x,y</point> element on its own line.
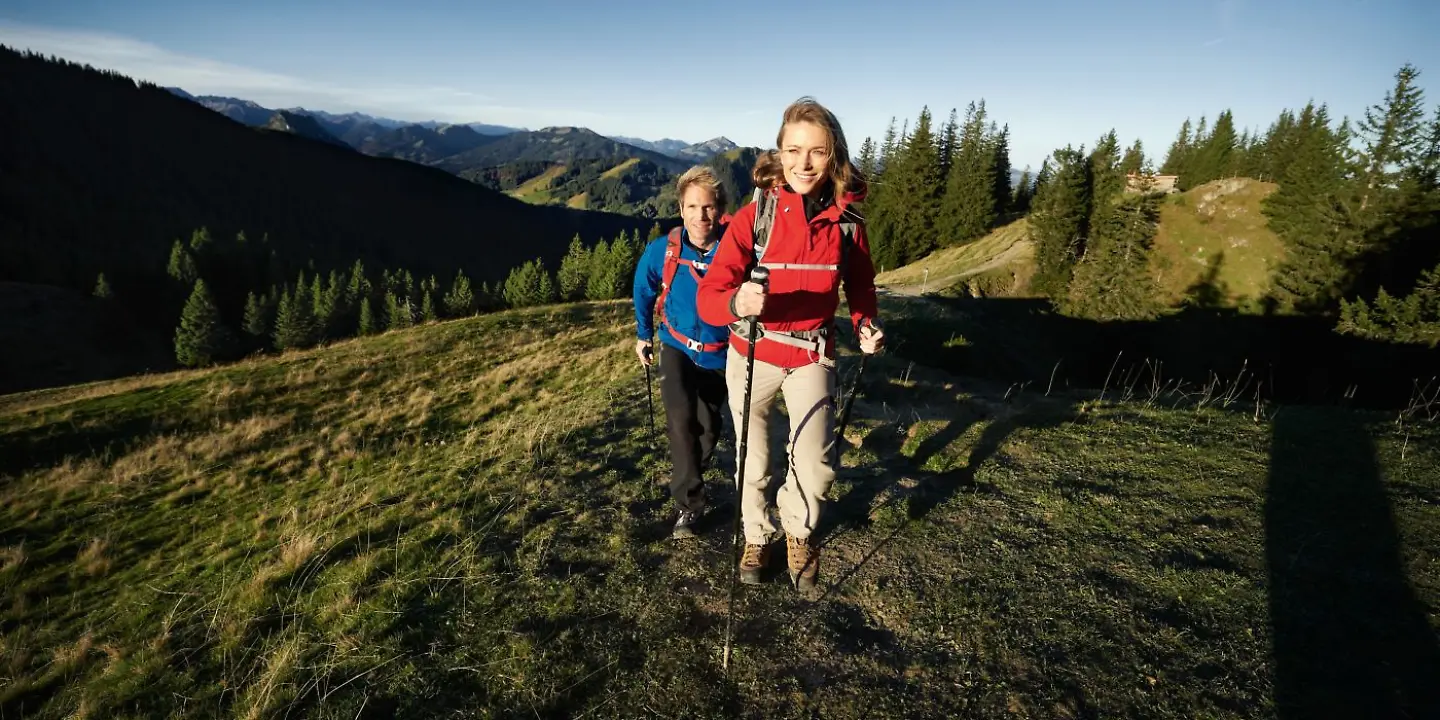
<point>1209,291</point>
<point>1351,637</point>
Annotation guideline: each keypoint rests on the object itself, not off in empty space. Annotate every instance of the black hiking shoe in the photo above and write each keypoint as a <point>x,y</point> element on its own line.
<point>685,524</point>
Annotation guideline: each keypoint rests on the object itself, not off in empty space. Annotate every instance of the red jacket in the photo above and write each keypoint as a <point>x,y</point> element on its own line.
<point>798,300</point>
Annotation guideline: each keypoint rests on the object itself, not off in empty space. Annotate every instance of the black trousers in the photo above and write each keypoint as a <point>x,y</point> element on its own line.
<point>693,398</point>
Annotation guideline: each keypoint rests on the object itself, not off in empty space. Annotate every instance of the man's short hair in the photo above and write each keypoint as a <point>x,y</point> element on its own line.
<point>704,177</point>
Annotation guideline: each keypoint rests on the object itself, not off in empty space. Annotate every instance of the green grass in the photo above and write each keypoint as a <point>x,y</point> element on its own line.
<point>1217,231</point>
<point>466,519</point>
<point>1006,249</point>
<point>537,189</point>
<point>1214,233</point>
<point>620,168</point>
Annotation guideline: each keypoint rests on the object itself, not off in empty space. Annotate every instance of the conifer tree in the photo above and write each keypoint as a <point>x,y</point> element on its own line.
<point>1134,159</point>
<point>914,187</point>
<point>574,271</point>
<point>367,318</point>
<point>528,285</point>
<point>867,161</point>
<point>1000,173</point>
<point>949,143</point>
<point>182,265</point>
<point>1307,212</point>
<point>399,313</point>
<point>460,301</point>
<point>655,232</point>
<point>1106,179</point>
<point>1020,202</point>
<point>1059,218</point>
<point>598,285</point>
<point>1112,281</point>
<point>1176,159</point>
<point>885,245</point>
<point>968,208</point>
<point>1214,155</point>
<point>1392,135</point>
<point>427,308</point>
<point>295,319</point>
<point>257,320</point>
<point>200,339</point>
<point>102,288</point>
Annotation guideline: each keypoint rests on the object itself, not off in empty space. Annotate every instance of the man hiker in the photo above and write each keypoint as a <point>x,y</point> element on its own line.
<point>692,352</point>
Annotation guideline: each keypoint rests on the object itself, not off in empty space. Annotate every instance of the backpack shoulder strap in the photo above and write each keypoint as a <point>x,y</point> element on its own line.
<point>667,271</point>
<point>764,220</point>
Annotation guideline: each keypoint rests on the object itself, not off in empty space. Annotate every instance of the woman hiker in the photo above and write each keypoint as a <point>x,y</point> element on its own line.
<point>816,244</point>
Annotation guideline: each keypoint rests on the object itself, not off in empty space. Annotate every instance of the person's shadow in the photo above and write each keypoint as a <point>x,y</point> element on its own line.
<point>1351,639</point>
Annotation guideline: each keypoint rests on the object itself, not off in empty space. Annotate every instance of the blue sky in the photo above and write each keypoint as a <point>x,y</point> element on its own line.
<point>1057,72</point>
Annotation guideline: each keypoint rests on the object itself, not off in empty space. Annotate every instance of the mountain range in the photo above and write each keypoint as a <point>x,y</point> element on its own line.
<point>87,192</point>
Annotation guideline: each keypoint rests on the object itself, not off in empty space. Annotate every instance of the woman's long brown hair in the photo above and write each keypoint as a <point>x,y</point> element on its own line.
<point>843,174</point>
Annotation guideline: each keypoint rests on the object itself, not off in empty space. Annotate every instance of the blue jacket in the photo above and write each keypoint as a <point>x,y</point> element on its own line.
<point>679,303</point>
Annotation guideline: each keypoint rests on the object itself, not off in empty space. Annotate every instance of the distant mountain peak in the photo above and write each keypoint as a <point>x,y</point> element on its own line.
<point>303,125</point>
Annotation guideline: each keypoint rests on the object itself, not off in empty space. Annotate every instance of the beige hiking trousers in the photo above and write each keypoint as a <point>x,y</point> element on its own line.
<point>809,401</point>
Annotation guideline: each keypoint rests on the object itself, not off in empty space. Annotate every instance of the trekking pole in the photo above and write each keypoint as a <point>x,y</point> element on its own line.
<point>849,401</point>
<point>650,398</point>
<point>760,275</point>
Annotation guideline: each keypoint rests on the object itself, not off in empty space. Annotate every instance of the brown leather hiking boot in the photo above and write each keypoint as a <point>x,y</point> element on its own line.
<point>752,561</point>
<point>804,561</point>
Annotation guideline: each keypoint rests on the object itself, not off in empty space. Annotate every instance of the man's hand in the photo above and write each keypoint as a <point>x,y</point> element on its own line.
<point>642,350</point>
<point>750,300</point>
<point>872,339</point>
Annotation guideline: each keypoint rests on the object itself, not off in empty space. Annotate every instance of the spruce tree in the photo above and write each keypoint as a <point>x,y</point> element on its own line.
<point>968,205</point>
<point>1020,202</point>
<point>1106,178</point>
<point>528,285</point>
<point>1112,282</point>
<point>460,301</point>
<point>102,288</point>
<point>1134,159</point>
<point>257,320</point>
<point>182,265</point>
<point>1059,218</point>
<point>295,319</point>
<point>1000,173</point>
<point>200,339</point>
<point>949,143</point>
<point>574,271</point>
<point>366,323</point>
<point>914,186</point>
<point>885,246</point>
<point>597,285</point>
<point>1309,215</point>
<point>867,161</point>
<point>1179,154</point>
<point>1392,135</point>
<point>1213,158</point>
<point>427,308</point>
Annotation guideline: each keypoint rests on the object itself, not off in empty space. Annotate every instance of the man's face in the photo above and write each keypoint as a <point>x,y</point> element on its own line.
<point>699,211</point>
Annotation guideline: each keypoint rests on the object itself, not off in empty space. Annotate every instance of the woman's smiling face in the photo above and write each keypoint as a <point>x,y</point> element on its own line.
<point>805,156</point>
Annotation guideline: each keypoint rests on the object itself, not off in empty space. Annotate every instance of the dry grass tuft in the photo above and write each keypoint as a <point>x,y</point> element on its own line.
<point>93,560</point>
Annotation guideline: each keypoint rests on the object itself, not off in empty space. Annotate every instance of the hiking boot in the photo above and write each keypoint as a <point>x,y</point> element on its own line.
<point>752,561</point>
<point>804,561</point>
<point>685,524</point>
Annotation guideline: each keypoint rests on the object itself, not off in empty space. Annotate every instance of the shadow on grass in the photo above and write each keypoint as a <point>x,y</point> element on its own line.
<point>1351,637</point>
<point>933,488</point>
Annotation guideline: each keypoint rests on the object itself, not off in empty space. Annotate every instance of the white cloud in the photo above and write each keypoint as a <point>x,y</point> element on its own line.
<point>202,76</point>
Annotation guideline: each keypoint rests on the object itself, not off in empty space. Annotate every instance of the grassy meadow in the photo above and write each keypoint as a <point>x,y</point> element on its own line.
<point>468,519</point>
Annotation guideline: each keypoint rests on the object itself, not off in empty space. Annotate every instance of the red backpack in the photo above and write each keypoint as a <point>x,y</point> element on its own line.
<point>673,261</point>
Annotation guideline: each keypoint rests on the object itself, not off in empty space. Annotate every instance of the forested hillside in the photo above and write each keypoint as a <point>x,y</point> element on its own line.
<point>116,191</point>
<point>1354,203</point>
